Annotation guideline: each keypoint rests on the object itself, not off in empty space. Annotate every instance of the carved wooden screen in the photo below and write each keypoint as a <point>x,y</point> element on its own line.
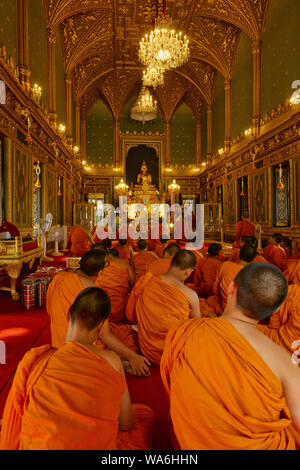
<point>259,197</point>
<point>281,197</point>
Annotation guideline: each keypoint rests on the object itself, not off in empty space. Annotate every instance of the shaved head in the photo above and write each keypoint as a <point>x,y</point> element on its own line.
<point>90,308</point>
<point>142,244</point>
<point>92,262</point>
<point>114,253</point>
<point>261,289</point>
<point>171,250</point>
<point>183,260</point>
<point>248,253</point>
<point>214,249</point>
<point>98,246</point>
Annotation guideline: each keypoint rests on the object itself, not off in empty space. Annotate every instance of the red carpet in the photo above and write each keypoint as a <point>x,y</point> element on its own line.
<point>21,330</point>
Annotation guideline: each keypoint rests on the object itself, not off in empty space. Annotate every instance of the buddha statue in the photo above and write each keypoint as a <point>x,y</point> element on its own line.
<point>144,178</point>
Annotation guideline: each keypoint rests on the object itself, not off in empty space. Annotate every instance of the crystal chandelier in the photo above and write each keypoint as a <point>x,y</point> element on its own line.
<point>164,49</point>
<point>144,109</point>
<point>153,77</point>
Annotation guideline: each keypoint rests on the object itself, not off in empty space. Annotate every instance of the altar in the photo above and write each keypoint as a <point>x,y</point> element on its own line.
<point>144,192</point>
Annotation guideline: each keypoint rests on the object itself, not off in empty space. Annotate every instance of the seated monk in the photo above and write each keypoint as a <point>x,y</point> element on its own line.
<point>246,240</point>
<point>274,253</point>
<point>226,274</point>
<point>207,270</point>
<point>297,253</point>
<point>79,239</point>
<point>125,249</point>
<point>284,327</point>
<point>142,259</point>
<point>116,279</point>
<point>292,272</point>
<point>161,266</point>
<point>157,304</point>
<point>231,387</point>
<point>75,397</point>
<point>244,227</point>
<point>62,292</point>
<point>161,246</point>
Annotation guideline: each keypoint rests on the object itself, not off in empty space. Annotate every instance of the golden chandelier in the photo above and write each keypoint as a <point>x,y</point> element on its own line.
<point>164,49</point>
<point>153,77</point>
<point>145,108</point>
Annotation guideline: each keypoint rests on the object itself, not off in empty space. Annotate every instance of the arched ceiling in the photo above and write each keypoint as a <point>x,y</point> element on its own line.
<point>100,40</point>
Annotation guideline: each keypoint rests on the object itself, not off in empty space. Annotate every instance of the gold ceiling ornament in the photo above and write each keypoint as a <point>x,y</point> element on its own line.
<point>37,170</point>
<point>163,48</point>
<point>145,108</point>
<point>153,77</point>
<point>122,187</point>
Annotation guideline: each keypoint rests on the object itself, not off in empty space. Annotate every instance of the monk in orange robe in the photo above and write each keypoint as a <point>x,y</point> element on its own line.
<point>292,272</point>
<point>230,387</point>
<point>160,247</point>
<point>125,250</point>
<point>274,253</point>
<point>158,304</point>
<point>297,254</point>
<point>62,292</point>
<point>244,227</point>
<point>161,266</point>
<point>79,239</point>
<point>246,240</point>
<point>75,397</point>
<point>284,327</point>
<point>226,274</point>
<point>142,259</point>
<point>207,270</point>
<point>117,280</point>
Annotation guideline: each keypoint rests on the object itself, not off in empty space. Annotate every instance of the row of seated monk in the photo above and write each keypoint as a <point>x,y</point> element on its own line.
<point>222,332</point>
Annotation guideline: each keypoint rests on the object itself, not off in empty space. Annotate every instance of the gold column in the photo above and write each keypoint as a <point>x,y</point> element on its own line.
<point>77,118</point>
<point>83,138</point>
<point>23,39</point>
<point>167,143</point>
<point>68,80</point>
<point>227,85</point>
<point>209,133</point>
<point>257,87</point>
<point>51,76</point>
<point>198,143</point>
<point>117,144</point>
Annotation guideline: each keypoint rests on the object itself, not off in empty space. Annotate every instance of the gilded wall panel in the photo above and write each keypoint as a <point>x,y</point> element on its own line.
<point>297,191</point>
<point>49,203</point>
<point>68,210</point>
<point>18,185</point>
<point>230,203</point>
<point>259,197</point>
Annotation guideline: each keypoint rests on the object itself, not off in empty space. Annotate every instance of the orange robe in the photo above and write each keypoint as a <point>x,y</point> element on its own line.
<point>224,278</point>
<point>141,261</point>
<point>234,256</point>
<point>297,254</point>
<point>244,228</point>
<point>61,294</point>
<point>268,251</point>
<point>156,307</point>
<point>124,251</point>
<point>160,266</point>
<point>205,275</point>
<point>292,273</point>
<point>159,250</point>
<point>69,399</point>
<point>79,240</point>
<point>284,326</point>
<point>115,281</point>
<point>278,257</point>
<point>223,396</point>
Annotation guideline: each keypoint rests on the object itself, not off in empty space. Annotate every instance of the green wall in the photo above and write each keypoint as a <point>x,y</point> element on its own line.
<point>219,114</point>
<point>242,85</point>
<point>281,53</point>
<point>128,124</point>
<point>183,136</point>
<point>60,82</point>
<point>8,27</point>
<point>99,135</point>
<point>38,59</point>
